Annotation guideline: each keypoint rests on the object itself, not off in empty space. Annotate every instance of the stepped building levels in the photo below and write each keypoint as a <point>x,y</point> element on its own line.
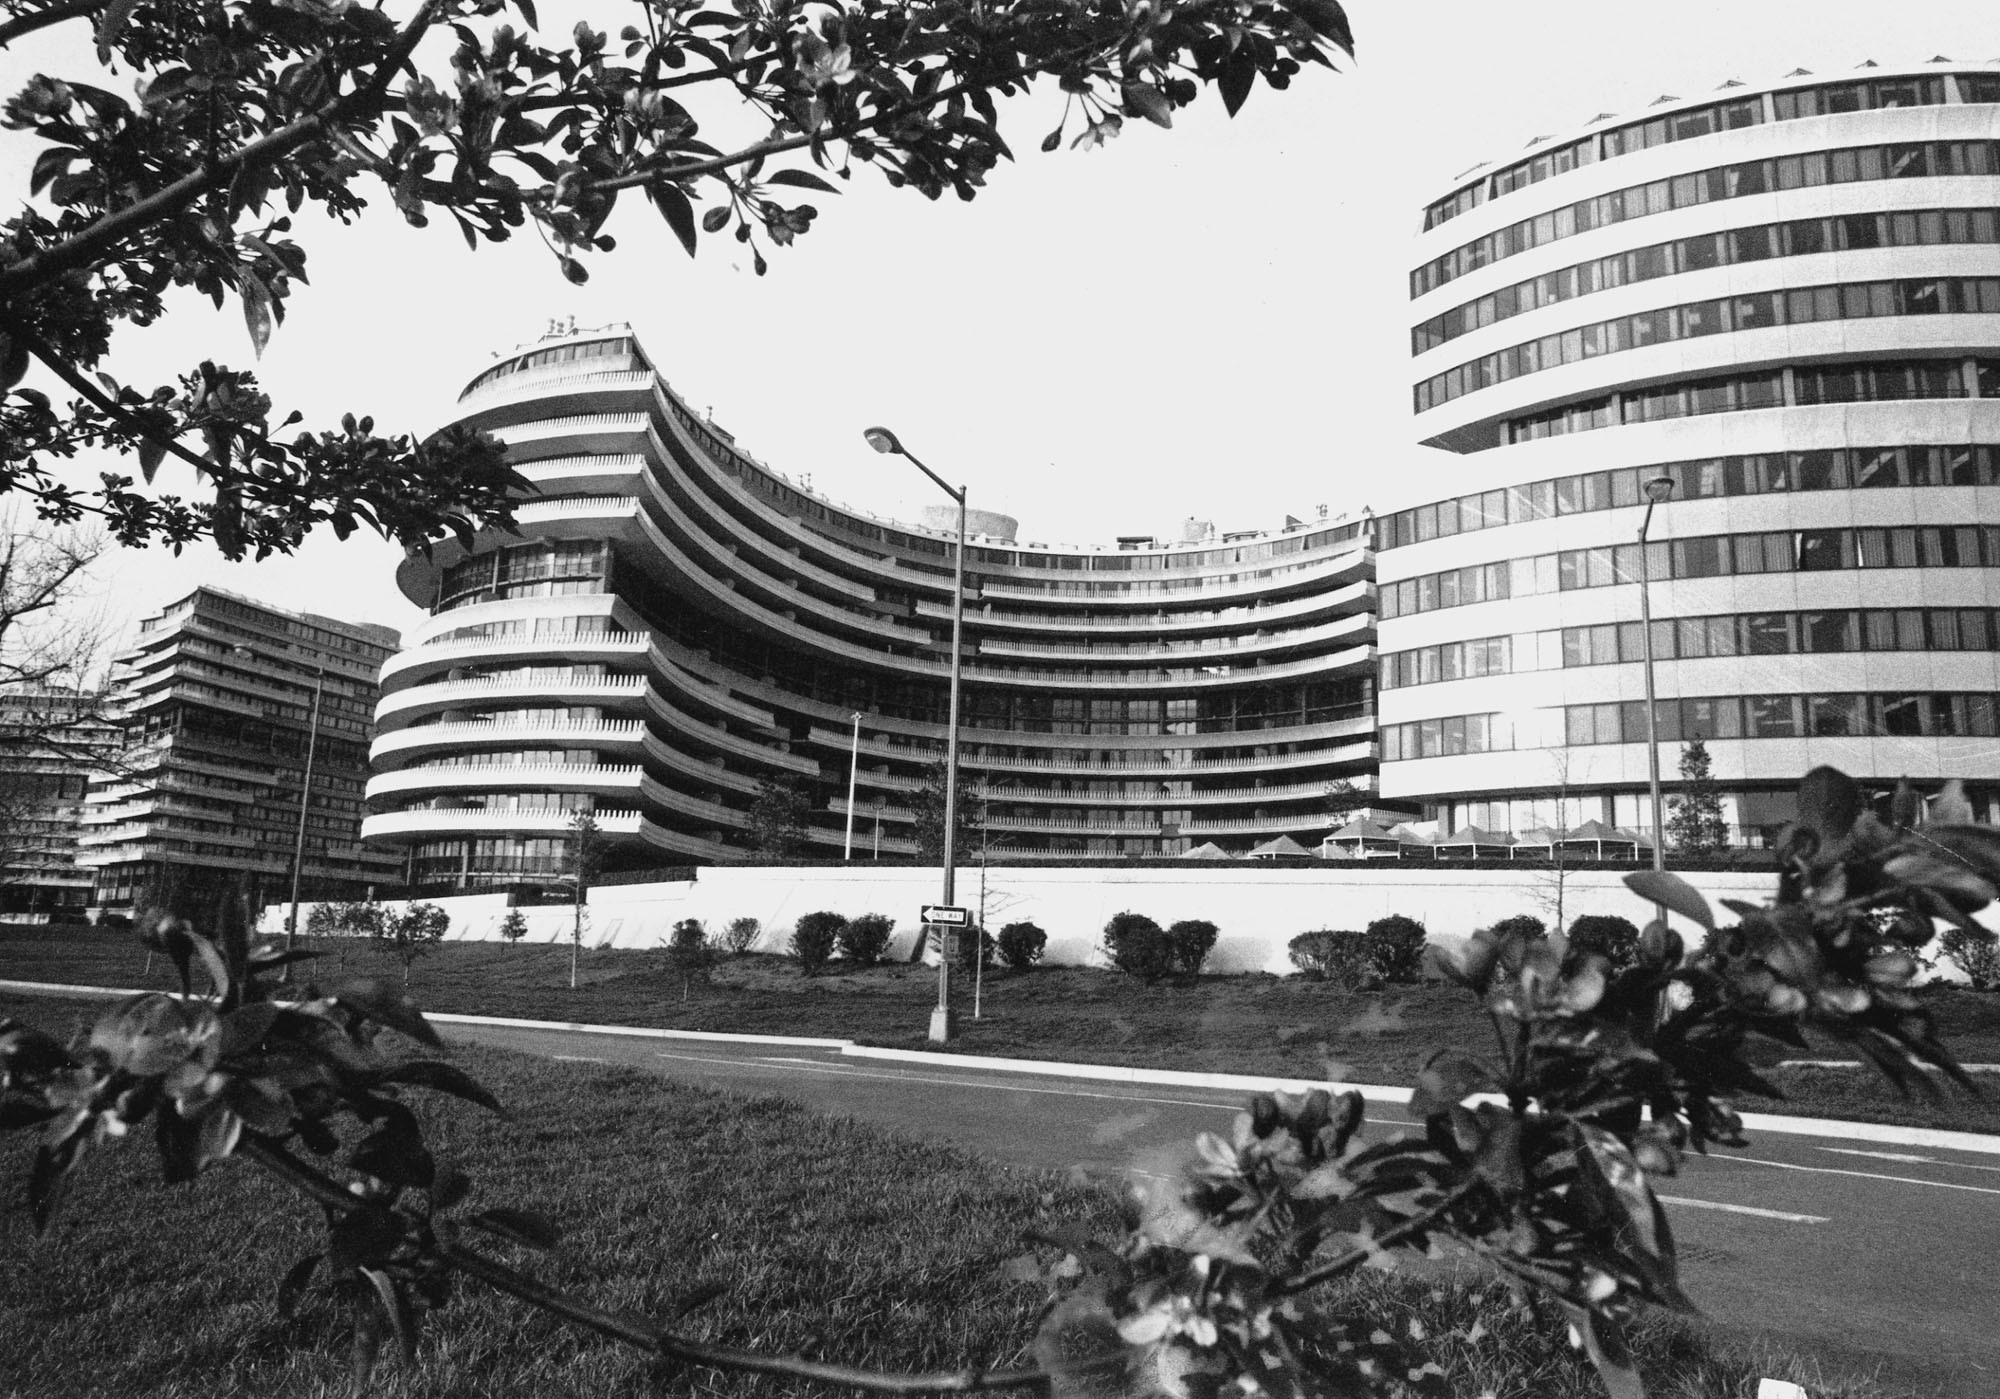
<point>1786,301</point>
<point>216,697</point>
<point>679,624</point>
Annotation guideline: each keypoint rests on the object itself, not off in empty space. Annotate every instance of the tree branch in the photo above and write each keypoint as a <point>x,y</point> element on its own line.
<point>1395,1235</point>
<point>632,1331</point>
<point>779,145</point>
<point>42,19</point>
<point>72,376</point>
<point>556,99</point>
<point>86,246</point>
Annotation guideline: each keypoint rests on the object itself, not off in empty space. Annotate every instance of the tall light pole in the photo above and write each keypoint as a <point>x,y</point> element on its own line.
<point>853,767</point>
<point>883,440</point>
<point>1657,490</point>
<point>305,800</point>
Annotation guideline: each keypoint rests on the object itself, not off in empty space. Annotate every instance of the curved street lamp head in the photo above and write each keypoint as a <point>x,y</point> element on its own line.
<point>883,440</point>
<point>1659,488</point>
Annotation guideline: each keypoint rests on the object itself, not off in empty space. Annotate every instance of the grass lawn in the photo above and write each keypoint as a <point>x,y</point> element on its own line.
<point>1250,1024</point>
<point>823,1233</point>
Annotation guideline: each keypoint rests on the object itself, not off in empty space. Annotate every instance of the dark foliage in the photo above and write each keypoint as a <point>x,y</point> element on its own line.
<point>864,939</point>
<point>689,951</point>
<point>1191,940</point>
<point>1522,927</point>
<point>1607,936</point>
<point>814,938</point>
<point>1021,945</point>
<point>245,113</point>
<point>1345,958</point>
<point>1138,947</point>
<point>973,943</point>
<point>1398,945</point>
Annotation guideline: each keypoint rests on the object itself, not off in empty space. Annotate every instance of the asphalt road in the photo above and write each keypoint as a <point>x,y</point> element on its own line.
<point>1873,1258</point>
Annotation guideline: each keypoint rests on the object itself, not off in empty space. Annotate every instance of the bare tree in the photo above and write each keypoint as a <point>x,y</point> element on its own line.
<point>1552,881</point>
<point>55,728</point>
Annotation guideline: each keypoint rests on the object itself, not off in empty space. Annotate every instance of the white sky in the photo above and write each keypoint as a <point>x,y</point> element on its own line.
<point>1209,321</point>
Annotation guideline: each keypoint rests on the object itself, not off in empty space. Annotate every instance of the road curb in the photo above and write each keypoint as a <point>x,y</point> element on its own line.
<point>1832,1128</point>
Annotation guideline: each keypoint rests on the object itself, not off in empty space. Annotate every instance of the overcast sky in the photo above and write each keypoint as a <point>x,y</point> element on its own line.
<point>1209,321</point>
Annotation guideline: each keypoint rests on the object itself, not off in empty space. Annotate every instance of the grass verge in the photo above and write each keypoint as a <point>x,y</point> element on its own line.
<point>1247,1024</point>
<point>823,1234</point>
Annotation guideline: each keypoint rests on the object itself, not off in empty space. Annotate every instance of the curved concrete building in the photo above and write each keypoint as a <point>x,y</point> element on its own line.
<point>1787,301</point>
<point>678,624</point>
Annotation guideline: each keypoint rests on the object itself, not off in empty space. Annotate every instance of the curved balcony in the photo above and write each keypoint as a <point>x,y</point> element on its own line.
<point>1205,650</point>
<point>397,709</point>
<point>400,827</point>
<point>1358,597</point>
<point>578,646</point>
<point>386,753</point>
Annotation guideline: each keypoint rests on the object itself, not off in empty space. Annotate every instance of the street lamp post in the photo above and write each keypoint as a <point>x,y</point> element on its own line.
<point>305,801</point>
<point>853,766</point>
<point>1657,491</point>
<point>883,440</point>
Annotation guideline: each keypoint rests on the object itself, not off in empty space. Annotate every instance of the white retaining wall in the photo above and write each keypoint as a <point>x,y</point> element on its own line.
<point>1258,908</point>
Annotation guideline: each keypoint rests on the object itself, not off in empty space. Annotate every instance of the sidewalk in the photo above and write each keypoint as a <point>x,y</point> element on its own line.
<point>1831,1128</point>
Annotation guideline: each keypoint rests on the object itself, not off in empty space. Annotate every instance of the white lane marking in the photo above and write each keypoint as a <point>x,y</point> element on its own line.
<point>1861,1175</point>
<point>1686,1203</point>
<point>950,1082</point>
<point>1910,1160</point>
<point>1857,1064</point>
<point>837,1072</point>
<point>578,1059</point>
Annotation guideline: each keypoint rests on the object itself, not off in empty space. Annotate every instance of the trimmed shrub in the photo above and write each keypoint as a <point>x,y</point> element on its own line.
<point>1525,926</point>
<point>863,940</point>
<point>1397,944</point>
<point>513,927</point>
<point>1341,956</point>
<point>1138,946</point>
<point>1191,940</point>
<point>1614,939</point>
<point>741,935</point>
<point>1021,945</point>
<point>814,938</point>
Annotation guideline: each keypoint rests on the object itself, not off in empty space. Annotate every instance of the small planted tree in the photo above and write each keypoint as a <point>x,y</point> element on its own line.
<point>1138,946</point>
<point>344,921</point>
<point>814,938</point>
<point>1021,946</point>
<point>741,935</point>
<point>689,952</point>
<point>413,933</point>
<point>514,926</point>
<point>1191,940</point>
<point>583,856</point>
<point>1695,824</point>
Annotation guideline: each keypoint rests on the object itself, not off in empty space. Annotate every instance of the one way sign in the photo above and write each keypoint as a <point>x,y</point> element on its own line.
<point>945,915</point>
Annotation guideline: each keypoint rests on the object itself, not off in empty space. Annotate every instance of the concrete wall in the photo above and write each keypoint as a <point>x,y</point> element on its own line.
<point>1258,908</point>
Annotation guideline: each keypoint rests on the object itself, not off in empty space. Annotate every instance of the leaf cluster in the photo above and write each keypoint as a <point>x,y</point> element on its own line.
<point>301,1086</point>
<point>1539,1158</point>
<point>210,125</point>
